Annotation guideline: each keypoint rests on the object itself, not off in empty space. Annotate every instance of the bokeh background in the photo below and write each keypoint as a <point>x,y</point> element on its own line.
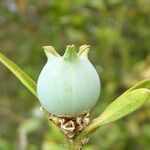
<point>119,34</point>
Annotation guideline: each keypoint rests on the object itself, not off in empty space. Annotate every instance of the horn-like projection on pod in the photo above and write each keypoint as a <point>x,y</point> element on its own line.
<point>68,85</point>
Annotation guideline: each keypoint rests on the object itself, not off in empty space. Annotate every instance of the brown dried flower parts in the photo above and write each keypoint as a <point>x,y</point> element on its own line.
<point>70,126</point>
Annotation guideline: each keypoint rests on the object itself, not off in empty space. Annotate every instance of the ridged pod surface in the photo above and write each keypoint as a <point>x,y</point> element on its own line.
<point>68,85</point>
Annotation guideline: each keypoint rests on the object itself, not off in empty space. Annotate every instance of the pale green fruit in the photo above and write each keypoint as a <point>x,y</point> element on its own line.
<point>68,85</point>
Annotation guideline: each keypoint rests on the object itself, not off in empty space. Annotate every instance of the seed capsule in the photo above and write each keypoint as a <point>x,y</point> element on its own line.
<point>68,85</point>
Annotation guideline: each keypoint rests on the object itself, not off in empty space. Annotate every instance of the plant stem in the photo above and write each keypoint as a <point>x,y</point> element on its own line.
<point>89,129</point>
<point>73,145</point>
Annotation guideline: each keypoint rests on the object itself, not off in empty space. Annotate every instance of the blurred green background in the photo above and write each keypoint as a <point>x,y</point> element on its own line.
<point>119,34</point>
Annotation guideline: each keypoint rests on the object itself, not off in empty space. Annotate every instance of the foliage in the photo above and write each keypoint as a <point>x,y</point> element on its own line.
<point>118,32</point>
<point>22,76</point>
<point>128,102</point>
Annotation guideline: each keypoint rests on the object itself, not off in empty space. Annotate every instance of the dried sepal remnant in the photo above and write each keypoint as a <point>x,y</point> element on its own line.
<point>71,126</point>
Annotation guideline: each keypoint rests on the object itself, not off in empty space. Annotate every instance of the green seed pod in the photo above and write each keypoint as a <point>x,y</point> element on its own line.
<point>68,85</point>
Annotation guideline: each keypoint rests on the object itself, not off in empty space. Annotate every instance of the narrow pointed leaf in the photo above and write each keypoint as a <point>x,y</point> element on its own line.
<point>143,84</point>
<point>122,106</point>
<point>19,73</point>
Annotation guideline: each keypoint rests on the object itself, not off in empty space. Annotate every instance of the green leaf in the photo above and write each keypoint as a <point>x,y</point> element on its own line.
<point>124,105</point>
<point>143,84</point>
<point>19,73</point>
